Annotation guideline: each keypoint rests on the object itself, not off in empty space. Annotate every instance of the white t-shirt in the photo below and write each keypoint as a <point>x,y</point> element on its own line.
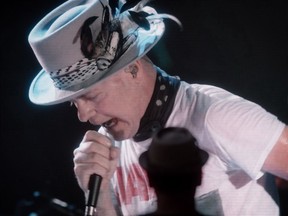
<point>237,134</point>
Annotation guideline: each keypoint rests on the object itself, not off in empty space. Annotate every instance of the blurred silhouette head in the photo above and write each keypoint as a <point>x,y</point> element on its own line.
<point>173,161</point>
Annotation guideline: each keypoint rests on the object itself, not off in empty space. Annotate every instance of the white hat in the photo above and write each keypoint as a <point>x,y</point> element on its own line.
<point>81,42</point>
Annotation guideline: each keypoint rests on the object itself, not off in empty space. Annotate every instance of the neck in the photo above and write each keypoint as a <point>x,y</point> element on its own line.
<point>160,106</point>
<point>176,204</point>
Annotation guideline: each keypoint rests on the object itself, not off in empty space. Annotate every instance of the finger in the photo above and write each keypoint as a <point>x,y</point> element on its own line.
<point>93,147</point>
<point>88,169</point>
<point>83,158</point>
<point>84,171</point>
<point>114,153</point>
<point>95,136</point>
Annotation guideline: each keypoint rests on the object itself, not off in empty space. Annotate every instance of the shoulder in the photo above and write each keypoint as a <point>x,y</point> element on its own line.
<point>208,98</point>
<point>204,92</point>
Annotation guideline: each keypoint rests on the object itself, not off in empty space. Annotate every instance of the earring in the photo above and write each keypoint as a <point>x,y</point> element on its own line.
<point>133,69</point>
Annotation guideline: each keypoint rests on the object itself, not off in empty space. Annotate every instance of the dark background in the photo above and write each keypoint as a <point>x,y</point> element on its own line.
<point>237,45</point>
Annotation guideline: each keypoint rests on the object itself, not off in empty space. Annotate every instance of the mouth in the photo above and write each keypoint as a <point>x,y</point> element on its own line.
<point>109,124</point>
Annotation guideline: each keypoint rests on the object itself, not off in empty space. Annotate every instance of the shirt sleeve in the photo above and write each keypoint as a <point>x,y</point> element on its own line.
<point>244,134</point>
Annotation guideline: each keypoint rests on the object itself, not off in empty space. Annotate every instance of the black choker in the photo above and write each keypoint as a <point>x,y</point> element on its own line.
<point>160,106</point>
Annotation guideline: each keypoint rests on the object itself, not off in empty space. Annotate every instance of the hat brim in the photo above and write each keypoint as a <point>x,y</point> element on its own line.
<point>43,92</point>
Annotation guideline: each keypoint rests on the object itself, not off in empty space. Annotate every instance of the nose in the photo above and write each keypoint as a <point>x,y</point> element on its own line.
<point>84,109</point>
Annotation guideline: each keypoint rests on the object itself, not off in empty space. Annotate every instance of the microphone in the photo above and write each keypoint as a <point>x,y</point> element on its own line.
<point>93,186</point>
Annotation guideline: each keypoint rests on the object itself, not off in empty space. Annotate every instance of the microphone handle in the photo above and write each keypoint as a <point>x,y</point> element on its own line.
<point>94,187</point>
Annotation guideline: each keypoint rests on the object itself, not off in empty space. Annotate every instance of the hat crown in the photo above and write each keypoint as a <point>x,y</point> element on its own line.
<point>65,18</point>
<point>55,39</point>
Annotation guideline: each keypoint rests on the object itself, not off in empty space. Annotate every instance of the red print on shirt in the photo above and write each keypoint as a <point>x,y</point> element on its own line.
<point>136,184</point>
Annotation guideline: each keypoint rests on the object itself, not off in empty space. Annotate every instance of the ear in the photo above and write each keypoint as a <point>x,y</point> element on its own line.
<point>132,69</point>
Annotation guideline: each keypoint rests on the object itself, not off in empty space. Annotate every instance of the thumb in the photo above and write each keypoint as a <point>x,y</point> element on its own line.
<point>114,153</point>
<point>114,156</point>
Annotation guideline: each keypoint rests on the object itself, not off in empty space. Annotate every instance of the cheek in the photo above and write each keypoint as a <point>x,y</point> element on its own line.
<point>120,102</point>
<point>121,109</point>
<point>112,106</point>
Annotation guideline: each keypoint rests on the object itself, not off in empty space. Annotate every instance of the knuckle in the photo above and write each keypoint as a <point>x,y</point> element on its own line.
<point>77,170</point>
<point>75,152</point>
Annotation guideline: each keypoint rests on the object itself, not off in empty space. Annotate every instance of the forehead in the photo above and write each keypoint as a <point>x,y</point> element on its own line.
<point>96,88</point>
<point>107,84</point>
<point>92,90</point>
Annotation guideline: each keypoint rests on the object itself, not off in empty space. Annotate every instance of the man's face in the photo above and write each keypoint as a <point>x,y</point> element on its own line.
<point>114,104</point>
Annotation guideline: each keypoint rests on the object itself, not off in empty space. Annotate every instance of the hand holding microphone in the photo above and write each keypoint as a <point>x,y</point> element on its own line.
<point>95,157</point>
